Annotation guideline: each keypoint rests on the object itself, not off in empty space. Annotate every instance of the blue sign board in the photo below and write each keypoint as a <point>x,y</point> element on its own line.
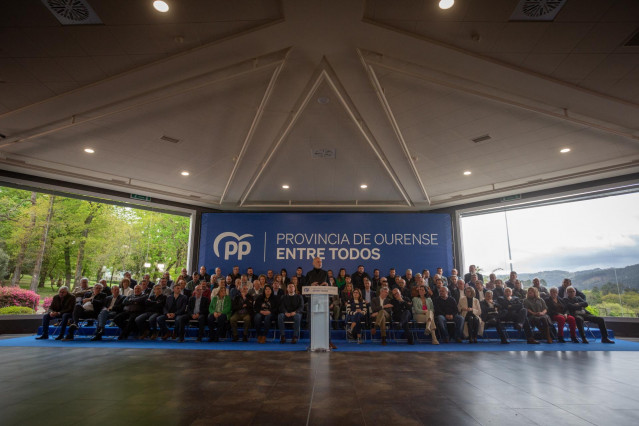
<point>287,240</point>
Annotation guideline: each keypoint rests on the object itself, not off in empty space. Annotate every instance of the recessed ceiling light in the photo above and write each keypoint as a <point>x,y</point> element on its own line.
<point>446,4</point>
<point>161,6</point>
<point>363,186</point>
<point>564,150</point>
<point>285,187</point>
<point>467,173</point>
<point>185,173</point>
<point>89,150</point>
<point>323,100</point>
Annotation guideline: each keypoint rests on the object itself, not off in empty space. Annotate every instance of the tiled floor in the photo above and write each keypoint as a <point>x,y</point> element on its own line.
<point>50,386</point>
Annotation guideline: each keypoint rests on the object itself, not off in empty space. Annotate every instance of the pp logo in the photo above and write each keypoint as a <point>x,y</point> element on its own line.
<point>232,247</point>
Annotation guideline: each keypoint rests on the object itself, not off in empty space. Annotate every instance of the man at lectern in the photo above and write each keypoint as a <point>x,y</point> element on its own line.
<point>318,276</point>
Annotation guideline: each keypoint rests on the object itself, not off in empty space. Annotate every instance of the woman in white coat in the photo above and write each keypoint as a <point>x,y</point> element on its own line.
<point>470,309</point>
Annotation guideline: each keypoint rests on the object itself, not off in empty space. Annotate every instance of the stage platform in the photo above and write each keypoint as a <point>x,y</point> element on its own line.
<point>272,345</point>
<point>67,383</point>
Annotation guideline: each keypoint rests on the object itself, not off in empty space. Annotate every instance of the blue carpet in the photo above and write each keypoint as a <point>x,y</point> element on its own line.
<point>343,346</point>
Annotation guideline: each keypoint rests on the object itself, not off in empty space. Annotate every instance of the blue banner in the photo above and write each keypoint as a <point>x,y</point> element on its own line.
<point>288,240</point>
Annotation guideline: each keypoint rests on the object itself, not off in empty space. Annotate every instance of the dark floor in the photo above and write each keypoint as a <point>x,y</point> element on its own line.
<point>47,386</point>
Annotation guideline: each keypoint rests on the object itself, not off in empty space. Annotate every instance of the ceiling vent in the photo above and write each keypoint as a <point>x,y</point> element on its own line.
<point>323,153</point>
<point>169,139</point>
<point>537,10</point>
<point>72,12</point>
<point>633,40</point>
<point>481,138</point>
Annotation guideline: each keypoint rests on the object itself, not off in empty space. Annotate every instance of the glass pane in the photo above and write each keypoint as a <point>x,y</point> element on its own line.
<point>594,242</point>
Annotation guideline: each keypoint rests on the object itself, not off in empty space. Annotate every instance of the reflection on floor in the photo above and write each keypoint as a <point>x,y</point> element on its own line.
<point>87,386</point>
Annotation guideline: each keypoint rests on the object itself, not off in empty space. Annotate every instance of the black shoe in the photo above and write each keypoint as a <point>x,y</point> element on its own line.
<point>607,340</point>
<point>122,337</point>
<point>245,339</point>
<point>181,340</point>
<point>73,326</point>
<point>411,341</point>
<point>96,338</point>
<point>235,339</point>
<point>561,340</point>
<point>60,337</point>
<point>282,339</point>
<point>458,340</point>
<point>574,340</point>
<point>68,338</point>
<point>505,342</point>
<point>43,337</point>
<point>349,334</point>
<point>583,340</point>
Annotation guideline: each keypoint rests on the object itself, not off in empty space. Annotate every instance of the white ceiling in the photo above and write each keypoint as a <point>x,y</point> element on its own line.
<point>250,88</point>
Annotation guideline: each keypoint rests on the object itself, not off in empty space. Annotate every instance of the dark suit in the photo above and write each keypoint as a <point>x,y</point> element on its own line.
<point>175,306</point>
<point>490,316</point>
<point>468,275</point>
<point>513,310</point>
<point>402,314</point>
<point>577,308</point>
<point>80,312</point>
<point>63,307</point>
<point>202,310</point>
<point>106,314</point>
<point>133,306</point>
<point>153,308</point>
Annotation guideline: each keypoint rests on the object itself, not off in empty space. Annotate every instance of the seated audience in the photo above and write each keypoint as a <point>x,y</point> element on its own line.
<point>347,292</point>
<point>469,308</point>
<point>512,309</point>
<point>197,310</point>
<point>242,307</point>
<point>543,291</point>
<point>511,281</point>
<point>265,307</point>
<point>446,310</point>
<point>518,291</point>
<point>219,313</point>
<point>499,290</point>
<point>424,312</point>
<point>479,290</point>
<point>89,307</point>
<point>402,313</point>
<point>577,308</point>
<point>355,314</point>
<point>62,308</point>
<point>568,283</point>
<point>112,306</point>
<point>80,291</point>
<point>403,288</point>
<point>490,315</point>
<point>291,307</point>
<point>537,312</point>
<point>133,306</point>
<point>153,308</point>
<point>382,310</point>
<point>557,312</point>
<point>125,287</point>
<point>174,307</point>
<point>457,291</point>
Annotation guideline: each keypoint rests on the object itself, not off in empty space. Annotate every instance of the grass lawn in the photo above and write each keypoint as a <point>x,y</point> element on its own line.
<point>44,292</point>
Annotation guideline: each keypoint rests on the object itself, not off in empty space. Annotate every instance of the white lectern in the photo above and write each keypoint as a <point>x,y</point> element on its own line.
<point>319,315</point>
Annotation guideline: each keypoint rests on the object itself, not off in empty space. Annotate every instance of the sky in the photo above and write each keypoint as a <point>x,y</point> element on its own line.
<point>597,233</point>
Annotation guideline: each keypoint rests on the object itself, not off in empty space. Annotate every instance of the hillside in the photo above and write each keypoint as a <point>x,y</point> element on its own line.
<point>627,276</point>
